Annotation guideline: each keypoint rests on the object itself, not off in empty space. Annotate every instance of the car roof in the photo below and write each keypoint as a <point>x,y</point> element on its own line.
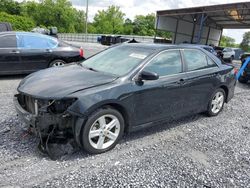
<point>155,46</point>
<point>22,32</point>
<point>199,45</point>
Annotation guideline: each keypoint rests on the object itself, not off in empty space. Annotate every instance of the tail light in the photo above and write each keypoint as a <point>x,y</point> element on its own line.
<point>81,52</point>
<point>235,71</point>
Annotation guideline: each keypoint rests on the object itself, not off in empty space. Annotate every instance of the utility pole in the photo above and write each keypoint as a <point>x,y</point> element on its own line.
<point>86,22</point>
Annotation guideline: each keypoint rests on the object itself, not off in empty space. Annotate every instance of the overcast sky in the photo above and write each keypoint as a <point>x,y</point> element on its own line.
<point>135,7</point>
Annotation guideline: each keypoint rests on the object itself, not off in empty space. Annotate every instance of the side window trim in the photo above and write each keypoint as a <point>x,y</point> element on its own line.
<point>168,50</point>
<point>205,68</point>
<point>182,62</point>
<point>207,57</point>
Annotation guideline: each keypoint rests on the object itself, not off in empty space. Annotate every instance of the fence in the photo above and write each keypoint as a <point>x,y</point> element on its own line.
<point>92,38</point>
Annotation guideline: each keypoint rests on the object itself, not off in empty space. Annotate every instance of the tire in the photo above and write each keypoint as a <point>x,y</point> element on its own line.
<point>212,110</point>
<point>231,59</point>
<point>57,63</point>
<point>243,80</point>
<point>99,141</point>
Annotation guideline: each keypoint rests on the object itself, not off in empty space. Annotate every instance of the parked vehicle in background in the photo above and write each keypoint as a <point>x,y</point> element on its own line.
<point>245,77</point>
<point>5,26</point>
<point>228,54</point>
<point>219,52</point>
<point>23,52</point>
<point>124,88</point>
<point>238,53</point>
<point>51,31</point>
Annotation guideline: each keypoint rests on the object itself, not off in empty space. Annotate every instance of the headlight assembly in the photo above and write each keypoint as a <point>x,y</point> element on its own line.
<point>60,106</point>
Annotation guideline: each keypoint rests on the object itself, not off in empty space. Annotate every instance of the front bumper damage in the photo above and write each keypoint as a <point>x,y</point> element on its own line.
<point>50,128</point>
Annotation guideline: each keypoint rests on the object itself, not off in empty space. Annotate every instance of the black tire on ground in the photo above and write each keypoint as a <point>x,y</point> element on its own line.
<point>209,112</point>
<point>57,63</point>
<point>243,80</point>
<point>231,59</point>
<point>84,136</point>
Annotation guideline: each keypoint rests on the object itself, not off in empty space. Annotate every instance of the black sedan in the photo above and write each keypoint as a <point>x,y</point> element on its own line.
<point>23,52</point>
<point>124,88</point>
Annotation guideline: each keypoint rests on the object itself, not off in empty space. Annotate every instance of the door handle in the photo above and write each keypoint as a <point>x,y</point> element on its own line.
<point>181,81</point>
<point>14,52</point>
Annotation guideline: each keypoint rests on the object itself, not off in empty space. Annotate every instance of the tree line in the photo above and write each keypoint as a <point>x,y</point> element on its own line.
<point>60,13</point>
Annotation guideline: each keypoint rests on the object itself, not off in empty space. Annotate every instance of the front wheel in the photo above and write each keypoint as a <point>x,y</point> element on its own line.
<point>102,130</point>
<point>216,102</point>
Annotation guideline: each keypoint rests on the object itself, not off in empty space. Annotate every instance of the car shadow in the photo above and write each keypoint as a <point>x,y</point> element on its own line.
<point>13,77</point>
<point>28,142</point>
<point>243,86</point>
<point>129,137</point>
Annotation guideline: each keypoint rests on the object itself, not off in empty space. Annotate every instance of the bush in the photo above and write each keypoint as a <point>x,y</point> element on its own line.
<point>19,23</point>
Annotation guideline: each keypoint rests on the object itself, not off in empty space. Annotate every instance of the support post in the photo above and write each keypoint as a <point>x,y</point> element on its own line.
<point>208,35</point>
<point>176,28</point>
<point>156,27</point>
<point>220,37</point>
<point>202,20</point>
<point>192,38</point>
<point>86,22</point>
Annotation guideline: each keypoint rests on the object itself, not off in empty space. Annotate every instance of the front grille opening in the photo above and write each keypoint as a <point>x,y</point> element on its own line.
<point>27,103</point>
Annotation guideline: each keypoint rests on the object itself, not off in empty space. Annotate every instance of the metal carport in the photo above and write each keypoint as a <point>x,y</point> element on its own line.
<point>205,24</point>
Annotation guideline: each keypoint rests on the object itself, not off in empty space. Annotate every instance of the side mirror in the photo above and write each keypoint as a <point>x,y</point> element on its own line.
<point>145,75</point>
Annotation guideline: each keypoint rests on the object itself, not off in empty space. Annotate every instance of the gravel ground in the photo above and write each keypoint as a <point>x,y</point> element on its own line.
<point>196,151</point>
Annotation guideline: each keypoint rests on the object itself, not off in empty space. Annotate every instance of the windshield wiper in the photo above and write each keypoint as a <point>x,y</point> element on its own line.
<point>89,68</point>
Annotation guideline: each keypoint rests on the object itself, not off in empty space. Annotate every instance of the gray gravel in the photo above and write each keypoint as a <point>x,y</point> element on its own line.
<point>196,151</point>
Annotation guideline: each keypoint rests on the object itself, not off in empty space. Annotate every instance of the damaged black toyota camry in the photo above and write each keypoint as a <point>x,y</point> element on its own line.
<point>123,89</point>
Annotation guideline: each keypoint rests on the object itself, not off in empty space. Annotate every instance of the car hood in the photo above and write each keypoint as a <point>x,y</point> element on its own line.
<point>59,82</point>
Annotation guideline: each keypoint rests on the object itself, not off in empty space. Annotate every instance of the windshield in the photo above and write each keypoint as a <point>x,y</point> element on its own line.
<point>118,60</point>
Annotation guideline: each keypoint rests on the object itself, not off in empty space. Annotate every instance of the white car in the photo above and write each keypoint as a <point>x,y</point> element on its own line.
<point>228,54</point>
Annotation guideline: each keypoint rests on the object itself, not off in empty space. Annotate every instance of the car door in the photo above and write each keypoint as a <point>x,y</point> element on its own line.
<point>36,51</point>
<point>202,78</point>
<point>163,98</point>
<point>9,54</point>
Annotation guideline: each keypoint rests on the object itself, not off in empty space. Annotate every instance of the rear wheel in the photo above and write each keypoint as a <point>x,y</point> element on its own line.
<point>102,130</point>
<point>216,102</point>
<point>57,63</point>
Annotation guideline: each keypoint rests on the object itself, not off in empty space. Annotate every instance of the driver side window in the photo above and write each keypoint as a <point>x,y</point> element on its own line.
<point>166,63</point>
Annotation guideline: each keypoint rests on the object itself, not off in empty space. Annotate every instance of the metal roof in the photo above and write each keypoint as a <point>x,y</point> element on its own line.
<point>224,16</point>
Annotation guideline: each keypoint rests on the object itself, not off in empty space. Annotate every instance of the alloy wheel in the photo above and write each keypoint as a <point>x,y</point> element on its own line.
<point>104,131</point>
<point>217,102</point>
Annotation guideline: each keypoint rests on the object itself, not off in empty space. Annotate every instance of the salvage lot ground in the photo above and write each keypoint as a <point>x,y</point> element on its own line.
<point>194,151</point>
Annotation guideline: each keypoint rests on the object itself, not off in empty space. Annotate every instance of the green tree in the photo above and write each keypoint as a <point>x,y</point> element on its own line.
<point>109,21</point>
<point>246,42</point>
<point>227,41</point>
<point>128,27</point>
<point>59,13</point>
<point>10,7</point>
<point>144,25</point>
<point>19,23</point>
<point>164,34</point>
